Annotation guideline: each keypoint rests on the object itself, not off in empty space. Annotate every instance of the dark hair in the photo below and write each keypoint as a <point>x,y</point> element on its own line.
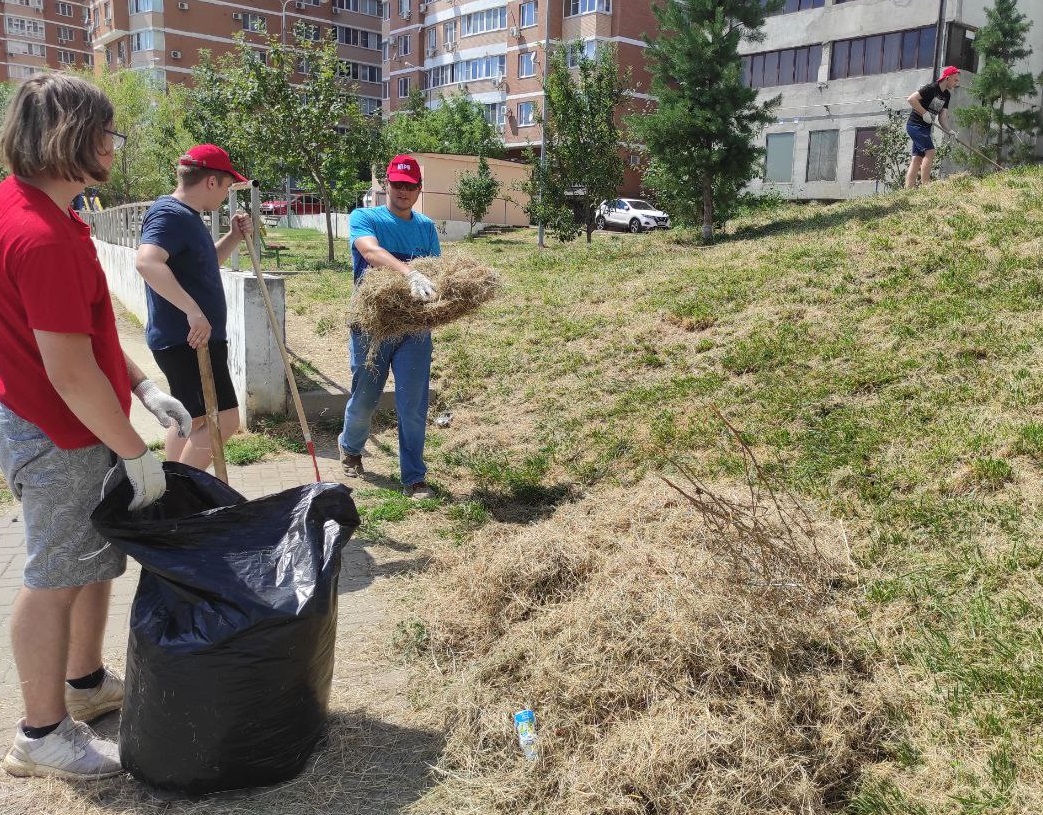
<point>55,125</point>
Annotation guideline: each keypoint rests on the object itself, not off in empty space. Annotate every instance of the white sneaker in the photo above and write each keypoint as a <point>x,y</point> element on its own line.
<point>87,705</point>
<point>73,752</point>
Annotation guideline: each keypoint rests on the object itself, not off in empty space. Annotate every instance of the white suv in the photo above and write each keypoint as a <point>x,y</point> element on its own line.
<point>632,214</point>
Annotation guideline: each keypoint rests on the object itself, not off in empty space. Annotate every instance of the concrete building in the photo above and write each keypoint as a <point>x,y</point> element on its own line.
<point>494,51</point>
<point>166,36</point>
<point>42,34</point>
<point>838,64</point>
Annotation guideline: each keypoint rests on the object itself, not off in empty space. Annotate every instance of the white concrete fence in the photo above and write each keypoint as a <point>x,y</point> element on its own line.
<point>253,353</point>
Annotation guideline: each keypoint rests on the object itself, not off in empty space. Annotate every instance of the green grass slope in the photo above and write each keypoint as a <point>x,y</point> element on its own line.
<point>882,357</point>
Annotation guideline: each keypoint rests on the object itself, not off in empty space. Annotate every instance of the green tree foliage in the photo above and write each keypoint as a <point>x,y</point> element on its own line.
<point>7,90</point>
<point>152,117</point>
<point>703,126</point>
<point>1001,46</point>
<point>457,125</point>
<point>278,122</point>
<point>889,151</point>
<point>476,192</point>
<point>582,164</point>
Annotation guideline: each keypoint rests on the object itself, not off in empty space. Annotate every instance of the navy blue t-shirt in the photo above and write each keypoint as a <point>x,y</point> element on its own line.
<point>405,240</point>
<point>179,229</point>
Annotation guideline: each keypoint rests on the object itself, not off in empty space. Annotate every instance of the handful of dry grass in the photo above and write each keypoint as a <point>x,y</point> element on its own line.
<point>383,307</point>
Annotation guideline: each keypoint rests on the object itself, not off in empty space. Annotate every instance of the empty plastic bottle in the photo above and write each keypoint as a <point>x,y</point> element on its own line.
<point>525,724</point>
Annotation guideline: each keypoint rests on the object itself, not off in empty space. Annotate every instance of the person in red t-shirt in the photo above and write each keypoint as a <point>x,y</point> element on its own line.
<point>65,387</point>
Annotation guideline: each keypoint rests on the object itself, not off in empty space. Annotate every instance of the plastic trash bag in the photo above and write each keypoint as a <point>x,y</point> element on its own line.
<point>232,630</point>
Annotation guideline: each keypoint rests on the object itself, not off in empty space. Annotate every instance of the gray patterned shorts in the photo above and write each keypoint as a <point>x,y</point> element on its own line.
<point>58,490</point>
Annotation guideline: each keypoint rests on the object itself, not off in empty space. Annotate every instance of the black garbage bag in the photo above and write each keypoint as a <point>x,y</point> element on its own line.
<point>232,631</point>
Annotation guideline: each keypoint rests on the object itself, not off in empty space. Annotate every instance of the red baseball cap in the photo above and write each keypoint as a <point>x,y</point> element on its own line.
<point>213,158</point>
<point>404,168</point>
<point>948,71</point>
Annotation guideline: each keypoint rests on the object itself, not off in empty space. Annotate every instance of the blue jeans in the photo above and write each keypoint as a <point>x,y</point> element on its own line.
<point>410,360</point>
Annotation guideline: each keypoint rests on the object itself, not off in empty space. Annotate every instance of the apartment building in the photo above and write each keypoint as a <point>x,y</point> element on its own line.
<point>495,51</point>
<point>42,34</point>
<point>839,64</point>
<point>166,36</point>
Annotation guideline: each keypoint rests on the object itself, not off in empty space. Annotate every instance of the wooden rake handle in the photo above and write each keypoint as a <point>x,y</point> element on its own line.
<point>213,423</point>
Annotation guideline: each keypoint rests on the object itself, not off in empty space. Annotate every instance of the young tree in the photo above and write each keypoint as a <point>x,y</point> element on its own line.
<point>582,164</point>
<point>457,125</point>
<point>1000,44</point>
<point>293,113</point>
<point>706,116</point>
<point>7,90</point>
<point>889,151</point>
<point>476,192</point>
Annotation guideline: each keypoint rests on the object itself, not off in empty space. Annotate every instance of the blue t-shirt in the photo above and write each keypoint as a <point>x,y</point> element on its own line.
<point>405,240</point>
<point>180,231</point>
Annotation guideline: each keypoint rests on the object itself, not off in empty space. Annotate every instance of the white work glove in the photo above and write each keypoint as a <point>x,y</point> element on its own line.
<point>164,407</point>
<point>421,286</point>
<point>146,476</point>
<point>927,117</point>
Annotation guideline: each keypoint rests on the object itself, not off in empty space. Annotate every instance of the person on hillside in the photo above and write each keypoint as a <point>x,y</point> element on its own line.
<point>181,266</point>
<point>65,388</point>
<point>391,236</point>
<point>929,105</point>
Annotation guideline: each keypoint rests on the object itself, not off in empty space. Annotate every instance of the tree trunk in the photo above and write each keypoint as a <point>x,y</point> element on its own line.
<point>708,210</point>
<point>999,137</point>
<point>327,205</point>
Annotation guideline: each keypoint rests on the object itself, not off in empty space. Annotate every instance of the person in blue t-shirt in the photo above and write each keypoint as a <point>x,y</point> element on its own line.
<point>391,236</point>
<point>181,266</point>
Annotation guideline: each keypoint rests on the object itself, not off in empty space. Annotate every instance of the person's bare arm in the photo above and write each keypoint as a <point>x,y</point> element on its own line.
<point>151,263</point>
<point>375,255</point>
<point>916,103</point>
<point>73,371</point>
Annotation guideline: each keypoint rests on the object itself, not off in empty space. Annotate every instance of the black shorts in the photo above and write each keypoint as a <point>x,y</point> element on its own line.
<point>180,366</point>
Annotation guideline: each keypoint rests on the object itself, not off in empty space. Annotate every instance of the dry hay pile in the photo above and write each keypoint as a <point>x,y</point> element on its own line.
<point>383,307</point>
<point>677,664</point>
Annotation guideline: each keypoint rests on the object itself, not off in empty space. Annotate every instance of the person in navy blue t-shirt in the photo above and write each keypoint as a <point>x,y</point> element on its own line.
<point>181,266</point>
<point>391,236</point>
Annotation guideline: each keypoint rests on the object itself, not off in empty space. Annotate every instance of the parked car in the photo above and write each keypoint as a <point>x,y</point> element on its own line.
<point>632,214</point>
<point>300,204</point>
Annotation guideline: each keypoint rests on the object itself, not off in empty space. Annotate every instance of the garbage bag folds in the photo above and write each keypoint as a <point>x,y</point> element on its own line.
<point>232,631</point>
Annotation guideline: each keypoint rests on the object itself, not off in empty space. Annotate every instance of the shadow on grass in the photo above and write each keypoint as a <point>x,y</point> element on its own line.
<point>533,503</point>
<point>869,210</point>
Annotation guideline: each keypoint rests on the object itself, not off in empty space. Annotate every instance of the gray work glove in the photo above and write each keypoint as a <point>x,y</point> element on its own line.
<point>927,117</point>
<point>164,407</point>
<point>421,286</point>
<point>146,476</point>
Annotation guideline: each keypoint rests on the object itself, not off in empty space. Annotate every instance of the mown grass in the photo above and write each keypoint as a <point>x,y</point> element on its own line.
<point>881,356</point>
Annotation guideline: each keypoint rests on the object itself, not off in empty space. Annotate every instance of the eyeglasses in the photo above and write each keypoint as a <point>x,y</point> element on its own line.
<point>404,185</point>
<point>118,139</point>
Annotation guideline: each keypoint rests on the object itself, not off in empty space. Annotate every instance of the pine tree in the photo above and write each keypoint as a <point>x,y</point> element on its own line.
<point>706,117</point>
<point>1000,44</point>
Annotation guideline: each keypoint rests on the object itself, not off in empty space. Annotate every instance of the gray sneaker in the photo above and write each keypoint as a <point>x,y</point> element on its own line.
<point>87,705</point>
<point>73,752</point>
<point>351,463</point>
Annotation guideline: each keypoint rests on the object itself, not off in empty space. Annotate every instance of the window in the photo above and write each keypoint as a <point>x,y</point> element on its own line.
<point>959,50</point>
<point>796,5</point>
<point>432,39</point>
<point>66,57</point>
<point>403,9</point>
<point>787,67</point>
<point>369,105</point>
<point>359,37</point>
<point>31,49</point>
<point>822,155</point>
<point>883,53</point>
<point>402,47</point>
<point>527,14</point>
<point>140,6</point>
<point>121,52</point>
<point>88,60</point>
<point>479,22</point>
<point>574,7</point>
<point>141,40</point>
<point>359,71</point>
<point>374,8</point>
<point>778,166</point>
<point>20,71</point>
<point>526,64</point>
<point>495,113</point>
<point>64,9</point>
<point>526,113</point>
<point>23,27</point>
<point>65,34</point>
<point>579,51</point>
<point>385,90</point>
<point>34,4</point>
<point>403,87</point>
<point>864,168</point>
<point>634,160</point>
<point>255,23</point>
<point>449,32</point>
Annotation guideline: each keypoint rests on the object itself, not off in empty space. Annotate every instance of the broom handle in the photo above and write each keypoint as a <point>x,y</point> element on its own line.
<point>213,422</point>
<point>255,261</point>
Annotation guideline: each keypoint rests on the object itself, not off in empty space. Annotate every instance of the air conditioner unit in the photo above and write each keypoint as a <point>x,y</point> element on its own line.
<point>299,5</point>
<point>422,7</point>
<point>236,15</point>
<point>183,6</point>
<point>407,14</point>
<point>175,55</point>
<point>450,46</point>
<point>514,31</point>
<point>335,10</point>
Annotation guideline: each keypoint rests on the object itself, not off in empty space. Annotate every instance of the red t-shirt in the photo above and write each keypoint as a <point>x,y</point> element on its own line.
<point>50,280</point>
